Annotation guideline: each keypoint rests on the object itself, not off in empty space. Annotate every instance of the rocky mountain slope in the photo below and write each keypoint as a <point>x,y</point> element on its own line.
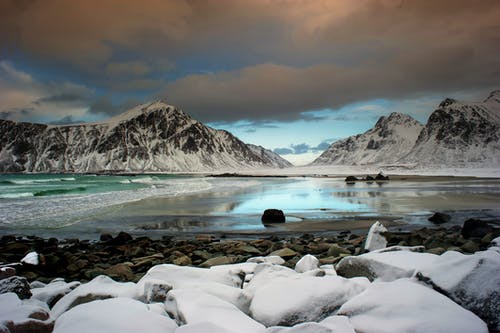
<point>457,134</point>
<point>460,134</point>
<point>150,137</point>
<point>388,141</point>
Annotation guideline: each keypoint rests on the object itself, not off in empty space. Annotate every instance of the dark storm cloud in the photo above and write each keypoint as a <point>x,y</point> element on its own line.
<point>62,98</point>
<point>261,59</point>
<point>103,105</point>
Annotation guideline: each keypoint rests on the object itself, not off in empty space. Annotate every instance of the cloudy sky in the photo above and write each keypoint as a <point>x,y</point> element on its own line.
<point>291,75</point>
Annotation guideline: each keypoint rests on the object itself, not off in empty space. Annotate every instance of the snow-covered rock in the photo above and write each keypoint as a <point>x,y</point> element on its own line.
<point>390,139</point>
<point>406,306</point>
<point>150,137</point>
<point>473,281</point>
<point>300,298</point>
<point>23,315</point>
<point>195,307</point>
<point>333,324</point>
<point>203,327</point>
<point>101,287</point>
<point>53,291</point>
<point>374,239</point>
<point>267,260</point>
<point>31,259</point>
<point>386,264</point>
<point>122,315</point>
<point>16,284</point>
<point>307,263</point>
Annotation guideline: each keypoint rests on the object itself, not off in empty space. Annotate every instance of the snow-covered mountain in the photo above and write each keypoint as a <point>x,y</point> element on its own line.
<point>460,134</point>
<point>388,141</point>
<point>269,157</point>
<point>150,137</point>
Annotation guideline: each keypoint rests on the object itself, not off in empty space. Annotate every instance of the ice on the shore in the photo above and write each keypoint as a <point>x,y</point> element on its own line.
<point>101,287</point>
<point>120,314</point>
<point>195,307</point>
<point>406,306</point>
<point>374,239</point>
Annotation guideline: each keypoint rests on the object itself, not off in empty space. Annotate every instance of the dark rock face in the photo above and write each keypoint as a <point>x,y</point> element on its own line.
<point>475,228</point>
<point>150,137</point>
<point>16,284</point>
<point>439,218</point>
<point>273,216</point>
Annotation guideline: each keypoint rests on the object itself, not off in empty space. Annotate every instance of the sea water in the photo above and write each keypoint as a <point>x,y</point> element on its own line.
<point>86,205</point>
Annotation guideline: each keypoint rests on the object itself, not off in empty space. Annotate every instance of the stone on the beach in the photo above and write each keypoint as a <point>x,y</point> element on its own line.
<point>271,259</point>
<point>335,251</point>
<point>221,260</point>
<point>121,239</point>
<point>16,284</point>
<point>6,272</point>
<point>284,253</point>
<point>439,218</point>
<point>23,315</point>
<point>122,315</point>
<point>473,281</point>
<point>121,272</point>
<point>156,290</point>
<point>375,240</point>
<point>351,179</point>
<point>101,287</point>
<point>475,228</point>
<point>307,263</point>
<point>406,306</point>
<point>31,259</point>
<point>293,299</point>
<point>53,291</point>
<point>194,307</point>
<point>381,176</point>
<point>273,216</point>
<point>386,264</point>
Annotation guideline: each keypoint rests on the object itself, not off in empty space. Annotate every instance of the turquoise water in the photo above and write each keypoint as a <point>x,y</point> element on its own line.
<point>19,186</point>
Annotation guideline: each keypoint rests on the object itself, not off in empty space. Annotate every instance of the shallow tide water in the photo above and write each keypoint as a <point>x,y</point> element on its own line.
<point>155,205</point>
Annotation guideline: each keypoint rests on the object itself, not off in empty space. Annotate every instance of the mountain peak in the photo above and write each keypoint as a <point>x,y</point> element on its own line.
<point>447,102</point>
<point>395,118</point>
<point>494,96</point>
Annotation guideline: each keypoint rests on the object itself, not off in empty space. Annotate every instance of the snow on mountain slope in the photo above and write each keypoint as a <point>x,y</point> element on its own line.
<point>390,139</point>
<point>460,134</point>
<point>150,137</point>
<point>270,157</point>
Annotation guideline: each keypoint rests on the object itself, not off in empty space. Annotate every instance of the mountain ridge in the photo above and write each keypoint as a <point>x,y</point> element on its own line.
<point>457,134</point>
<point>154,137</point>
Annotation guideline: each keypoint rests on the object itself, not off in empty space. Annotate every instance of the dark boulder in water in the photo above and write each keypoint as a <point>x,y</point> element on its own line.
<point>351,179</point>
<point>381,176</point>
<point>273,216</point>
<point>439,218</point>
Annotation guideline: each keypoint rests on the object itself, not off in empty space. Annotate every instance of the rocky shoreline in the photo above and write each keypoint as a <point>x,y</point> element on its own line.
<point>425,280</point>
<point>125,258</point>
